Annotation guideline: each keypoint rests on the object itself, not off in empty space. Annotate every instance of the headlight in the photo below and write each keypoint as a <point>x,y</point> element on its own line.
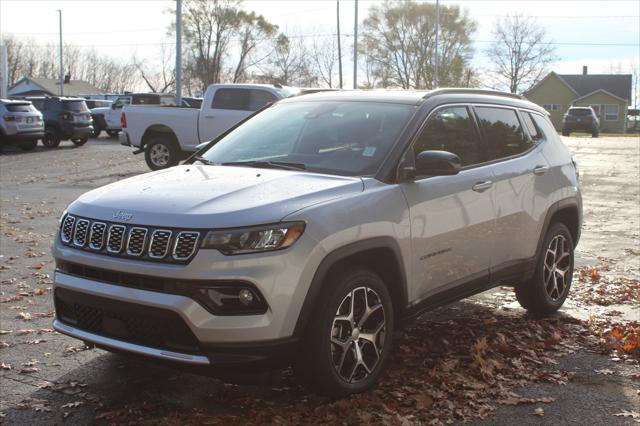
<point>64,213</point>
<point>254,239</point>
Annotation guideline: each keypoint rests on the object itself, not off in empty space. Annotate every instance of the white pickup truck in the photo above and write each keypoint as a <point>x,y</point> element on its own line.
<point>168,134</point>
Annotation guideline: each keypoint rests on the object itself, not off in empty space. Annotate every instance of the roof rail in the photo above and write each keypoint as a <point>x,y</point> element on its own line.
<point>465,91</point>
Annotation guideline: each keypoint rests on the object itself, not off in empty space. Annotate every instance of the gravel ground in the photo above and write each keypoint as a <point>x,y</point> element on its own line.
<point>47,378</point>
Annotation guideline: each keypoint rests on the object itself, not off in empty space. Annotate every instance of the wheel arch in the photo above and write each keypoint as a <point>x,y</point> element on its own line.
<point>158,130</point>
<point>568,212</point>
<point>381,254</point>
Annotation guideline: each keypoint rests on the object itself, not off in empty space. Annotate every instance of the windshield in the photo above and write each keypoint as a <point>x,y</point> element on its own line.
<point>346,138</point>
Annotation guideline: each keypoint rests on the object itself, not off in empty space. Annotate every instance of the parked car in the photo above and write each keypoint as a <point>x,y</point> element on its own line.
<point>167,134</point>
<point>20,124</point>
<point>308,233</point>
<point>108,118</point>
<point>580,119</point>
<point>64,119</point>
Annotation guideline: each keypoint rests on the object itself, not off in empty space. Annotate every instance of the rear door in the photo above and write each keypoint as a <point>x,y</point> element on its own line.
<point>452,217</point>
<point>228,107</point>
<point>517,166</point>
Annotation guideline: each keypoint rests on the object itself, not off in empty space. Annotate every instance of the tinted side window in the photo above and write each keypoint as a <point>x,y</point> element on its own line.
<point>531,127</point>
<point>231,99</point>
<point>502,131</point>
<point>75,106</point>
<point>259,98</point>
<point>451,129</point>
<point>545,127</point>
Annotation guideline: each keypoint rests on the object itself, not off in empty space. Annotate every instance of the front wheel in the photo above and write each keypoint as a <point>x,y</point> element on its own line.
<point>547,290</point>
<point>565,133</point>
<point>595,134</point>
<point>161,154</point>
<point>51,139</point>
<point>113,133</point>
<point>79,142</point>
<point>349,338</point>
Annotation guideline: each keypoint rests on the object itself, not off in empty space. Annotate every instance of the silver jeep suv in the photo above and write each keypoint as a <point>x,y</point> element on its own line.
<point>306,234</point>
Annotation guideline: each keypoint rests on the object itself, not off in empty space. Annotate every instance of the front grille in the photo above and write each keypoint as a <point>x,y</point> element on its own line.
<point>145,325</point>
<point>116,238</point>
<point>80,233</point>
<point>96,237</point>
<point>132,241</point>
<point>66,233</point>
<point>185,245</point>
<point>136,242</point>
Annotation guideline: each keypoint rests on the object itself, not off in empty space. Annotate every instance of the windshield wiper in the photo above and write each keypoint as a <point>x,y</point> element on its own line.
<point>204,160</point>
<point>268,165</point>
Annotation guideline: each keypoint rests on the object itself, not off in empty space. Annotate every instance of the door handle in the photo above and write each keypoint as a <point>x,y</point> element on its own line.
<point>482,186</point>
<point>540,170</point>
<point>209,116</point>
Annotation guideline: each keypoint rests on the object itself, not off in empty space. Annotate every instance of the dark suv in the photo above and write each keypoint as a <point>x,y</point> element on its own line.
<point>64,118</point>
<point>583,119</point>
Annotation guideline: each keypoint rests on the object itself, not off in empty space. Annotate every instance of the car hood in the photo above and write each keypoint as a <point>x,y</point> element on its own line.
<point>198,196</point>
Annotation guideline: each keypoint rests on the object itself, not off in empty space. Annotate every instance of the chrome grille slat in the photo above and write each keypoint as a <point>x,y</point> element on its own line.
<point>96,237</point>
<point>66,231</point>
<point>136,241</point>
<point>80,233</point>
<point>115,240</point>
<point>159,245</point>
<point>129,241</point>
<point>185,245</point>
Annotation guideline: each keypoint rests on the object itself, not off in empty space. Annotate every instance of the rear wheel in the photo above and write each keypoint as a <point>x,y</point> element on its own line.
<point>113,133</point>
<point>565,133</point>
<point>595,134</point>
<point>348,341</point>
<point>29,146</point>
<point>96,132</point>
<point>51,138</point>
<point>547,290</point>
<point>161,153</point>
<point>79,142</point>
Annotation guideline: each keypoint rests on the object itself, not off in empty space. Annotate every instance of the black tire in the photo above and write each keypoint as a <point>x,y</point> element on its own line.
<point>79,142</point>
<point>29,146</point>
<point>315,366</point>
<point>161,153</point>
<point>113,133</point>
<point>96,132</point>
<point>51,138</point>
<point>565,133</point>
<point>595,134</point>
<point>538,295</point>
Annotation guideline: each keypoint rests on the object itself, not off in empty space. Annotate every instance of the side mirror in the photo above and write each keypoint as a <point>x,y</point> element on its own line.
<point>437,163</point>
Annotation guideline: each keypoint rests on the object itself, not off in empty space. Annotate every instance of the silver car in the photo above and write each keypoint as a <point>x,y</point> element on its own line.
<point>20,124</point>
<point>306,234</point>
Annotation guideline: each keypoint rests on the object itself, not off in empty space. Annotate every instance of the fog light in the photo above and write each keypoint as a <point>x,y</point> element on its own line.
<point>246,297</point>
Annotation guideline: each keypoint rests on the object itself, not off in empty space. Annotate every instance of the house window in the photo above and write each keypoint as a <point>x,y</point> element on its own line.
<point>611,112</point>
<point>552,107</point>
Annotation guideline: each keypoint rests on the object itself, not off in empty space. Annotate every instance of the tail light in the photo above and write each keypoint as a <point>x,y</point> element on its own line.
<point>123,121</point>
<point>9,118</point>
<point>66,116</point>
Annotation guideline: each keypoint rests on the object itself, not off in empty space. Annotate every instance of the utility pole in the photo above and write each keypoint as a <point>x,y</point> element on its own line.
<point>339,51</point>
<point>355,49</point>
<point>178,52</point>
<point>436,71</point>
<point>61,69</point>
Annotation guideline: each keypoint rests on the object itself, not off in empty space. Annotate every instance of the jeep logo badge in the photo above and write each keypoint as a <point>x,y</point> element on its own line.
<point>122,215</point>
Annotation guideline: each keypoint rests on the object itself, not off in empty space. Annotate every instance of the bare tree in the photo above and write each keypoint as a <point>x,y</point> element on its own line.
<point>160,79</point>
<point>324,60</point>
<point>289,63</point>
<point>253,30</point>
<point>521,53</point>
<point>399,40</point>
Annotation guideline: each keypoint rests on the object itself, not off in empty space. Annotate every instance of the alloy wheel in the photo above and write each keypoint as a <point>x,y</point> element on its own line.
<point>159,155</point>
<point>358,334</point>
<point>557,267</point>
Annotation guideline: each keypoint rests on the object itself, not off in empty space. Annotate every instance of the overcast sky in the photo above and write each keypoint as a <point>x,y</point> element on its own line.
<point>595,33</point>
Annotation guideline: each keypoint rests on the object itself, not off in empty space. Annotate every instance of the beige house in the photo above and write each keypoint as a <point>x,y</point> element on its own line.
<point>51,87</point>
<point>608,94</point>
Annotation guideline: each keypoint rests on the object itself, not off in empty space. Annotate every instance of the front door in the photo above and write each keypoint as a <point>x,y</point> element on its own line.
<point>452,217</point>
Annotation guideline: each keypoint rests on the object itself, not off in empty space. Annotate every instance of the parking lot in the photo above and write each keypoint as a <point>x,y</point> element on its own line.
<point>571,368</point>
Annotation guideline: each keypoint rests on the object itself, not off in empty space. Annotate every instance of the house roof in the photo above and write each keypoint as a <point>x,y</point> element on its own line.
<point>73,88</point>
<point>616,84</point>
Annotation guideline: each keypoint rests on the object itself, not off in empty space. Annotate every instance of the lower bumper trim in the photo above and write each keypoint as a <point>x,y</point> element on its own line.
<point>130,347</point>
